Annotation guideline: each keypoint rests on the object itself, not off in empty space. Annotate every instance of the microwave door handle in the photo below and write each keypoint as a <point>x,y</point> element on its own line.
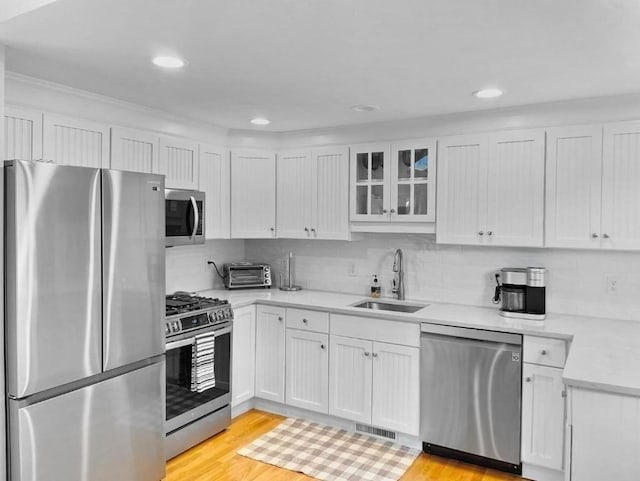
<point>196,216</point>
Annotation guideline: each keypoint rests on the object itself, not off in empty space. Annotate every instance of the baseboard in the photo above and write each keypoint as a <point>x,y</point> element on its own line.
<point>242,408</point>
<point>539,473</point>
<point>329,420</point>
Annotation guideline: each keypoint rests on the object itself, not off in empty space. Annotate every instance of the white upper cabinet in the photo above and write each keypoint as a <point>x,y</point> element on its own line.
<point>313,194</point>
<point>22,133</point>
<point>462,189</point>
<point>253,194</point>
<point>515,191</point>
<point>574,187</point>
<point>413,181</point>
<point>331,193</point>
<point>491,189</point>
<point>134,150</point>
<point>214,180</point>
<point>393,186</point>
<point>179,163</point>
<point>72,141</point>
<point>295,185</point>
<point>620,186</point>
<point>370,182</point>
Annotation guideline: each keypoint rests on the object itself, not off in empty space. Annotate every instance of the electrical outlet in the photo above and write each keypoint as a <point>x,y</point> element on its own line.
<point>612,284</point>
<point>351,269</point>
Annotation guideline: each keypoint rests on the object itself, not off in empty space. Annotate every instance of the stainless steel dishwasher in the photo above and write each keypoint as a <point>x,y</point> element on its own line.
<point>470,395</point>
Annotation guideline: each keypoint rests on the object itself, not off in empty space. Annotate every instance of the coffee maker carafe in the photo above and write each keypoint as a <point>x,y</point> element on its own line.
<point>521,292</point>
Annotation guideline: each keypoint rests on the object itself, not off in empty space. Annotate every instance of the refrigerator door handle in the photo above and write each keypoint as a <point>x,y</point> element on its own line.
<point>196,216</point>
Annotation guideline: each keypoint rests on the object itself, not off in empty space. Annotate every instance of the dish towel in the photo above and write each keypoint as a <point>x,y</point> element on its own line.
<point>203,375</point>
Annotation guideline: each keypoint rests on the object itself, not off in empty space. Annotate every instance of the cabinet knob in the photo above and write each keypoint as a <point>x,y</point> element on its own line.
<point>304,321</point>
<point>490,233</point>
<point>393,211</point>
<point>527,379</point>
<point>606,236</point>
<point>481,233</point>
<point>375,354</point>
<point>594,235</point>
<point>313,230</point>
<point>384,211</point>
<point>564,393</point>
<point>366,353</point>
<point>306,229</point>
<point>321,346</point>
<point>272,229</point>
<point>543,352</point>
<point>280,318</point>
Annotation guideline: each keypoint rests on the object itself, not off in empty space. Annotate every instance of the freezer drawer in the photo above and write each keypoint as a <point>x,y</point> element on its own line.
<point>134,267</point>
<point>112,430</point>
<point>53,292</point>
<point>470,393</point>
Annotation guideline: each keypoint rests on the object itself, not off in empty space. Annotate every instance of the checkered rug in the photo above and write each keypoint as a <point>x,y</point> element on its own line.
<point>330,454</point>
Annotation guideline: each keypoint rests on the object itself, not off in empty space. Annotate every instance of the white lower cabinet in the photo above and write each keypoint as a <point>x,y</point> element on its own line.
<point>396,387</point>
<point>543,415</point>
<point>307,368</point>
<point>270,353</point>
<point>351,378</point>
<point>244,354</point>
<point>375,383</point>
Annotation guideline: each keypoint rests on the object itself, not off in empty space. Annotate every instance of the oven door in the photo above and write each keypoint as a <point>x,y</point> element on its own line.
<point>184,217</point>
<point>183,404</point>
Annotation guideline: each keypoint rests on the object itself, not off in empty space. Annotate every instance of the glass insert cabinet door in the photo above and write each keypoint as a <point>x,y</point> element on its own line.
<point>413,181</point>
<point>370,171</point>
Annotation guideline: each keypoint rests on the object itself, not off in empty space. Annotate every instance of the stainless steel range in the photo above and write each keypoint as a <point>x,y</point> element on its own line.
<point>198,333</point>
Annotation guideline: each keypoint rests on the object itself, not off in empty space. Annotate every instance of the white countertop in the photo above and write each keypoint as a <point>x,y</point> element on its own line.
<point>604,353</point>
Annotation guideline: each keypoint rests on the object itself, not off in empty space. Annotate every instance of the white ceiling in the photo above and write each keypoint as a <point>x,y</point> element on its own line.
<point>303,63</point>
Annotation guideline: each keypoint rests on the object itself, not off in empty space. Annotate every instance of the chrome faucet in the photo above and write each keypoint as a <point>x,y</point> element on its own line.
<point>398,277</point>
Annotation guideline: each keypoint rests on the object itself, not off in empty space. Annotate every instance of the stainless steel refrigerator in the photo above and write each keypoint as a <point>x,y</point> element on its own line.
<point>85,286</point>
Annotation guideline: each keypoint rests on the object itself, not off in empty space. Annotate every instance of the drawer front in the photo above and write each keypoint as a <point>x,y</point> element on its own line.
<point>546,352</point>
<point>394,332</point>
<point>316,321</point>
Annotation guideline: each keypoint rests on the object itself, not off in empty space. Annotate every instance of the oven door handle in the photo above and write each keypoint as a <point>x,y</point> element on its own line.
<point>191,340</point>
<point>196,216</point>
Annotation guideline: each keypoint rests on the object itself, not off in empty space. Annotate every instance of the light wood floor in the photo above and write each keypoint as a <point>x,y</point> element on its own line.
<point>216,459</point>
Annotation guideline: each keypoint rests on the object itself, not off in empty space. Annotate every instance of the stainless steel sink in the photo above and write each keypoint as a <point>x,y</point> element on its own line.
<point>388,306</point>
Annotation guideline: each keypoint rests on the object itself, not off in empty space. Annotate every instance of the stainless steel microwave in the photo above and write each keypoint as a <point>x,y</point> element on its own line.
<point>184,217</point>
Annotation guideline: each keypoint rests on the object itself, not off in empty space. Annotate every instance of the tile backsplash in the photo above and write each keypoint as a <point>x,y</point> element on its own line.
<point>583,282</point>
<point>187,268</point>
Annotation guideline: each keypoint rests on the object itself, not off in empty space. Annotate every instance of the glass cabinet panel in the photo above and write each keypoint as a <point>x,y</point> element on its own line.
<point>411,183</point>
<point>377,199</point>
<point>404,164</point>
<point>404,199</point>
<point>377,166</point>
<point>361,199</point>
<point>362,167</point>
<point>421,166</point>
<point>420,199</point>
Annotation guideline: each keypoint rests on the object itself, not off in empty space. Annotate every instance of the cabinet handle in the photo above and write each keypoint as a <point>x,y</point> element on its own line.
<point>393,211</point>
<point>527,379</point>
<point>321,346</point>
<point>481,233</point>
<point>375,354</point>
<point>304,321</point>
<point>366,353</point>
<point>606,236</point>
<point>280,318</point>
<point>564,393</point>
<point>543,352</point>
<point>594,235</point>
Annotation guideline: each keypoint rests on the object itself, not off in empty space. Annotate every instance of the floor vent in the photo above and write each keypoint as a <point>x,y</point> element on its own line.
<point>365,428</point>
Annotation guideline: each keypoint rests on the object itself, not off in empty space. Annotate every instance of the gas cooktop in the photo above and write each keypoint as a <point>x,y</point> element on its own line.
<point>183,302</point>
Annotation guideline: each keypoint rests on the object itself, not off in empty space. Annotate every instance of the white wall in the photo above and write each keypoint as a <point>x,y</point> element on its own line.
<point>577,282</point>
<point>187,268</point>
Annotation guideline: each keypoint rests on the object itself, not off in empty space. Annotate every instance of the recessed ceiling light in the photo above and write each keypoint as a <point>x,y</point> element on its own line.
<point>168,62</point>
<point>365,108</point>
<point>488,93</point>
<point>260,121</point>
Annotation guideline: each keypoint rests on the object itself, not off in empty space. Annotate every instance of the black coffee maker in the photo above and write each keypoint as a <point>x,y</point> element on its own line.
<point>521,292</point>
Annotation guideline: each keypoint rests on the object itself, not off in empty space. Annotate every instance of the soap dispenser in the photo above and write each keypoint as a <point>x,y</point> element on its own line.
<point>375,287</point>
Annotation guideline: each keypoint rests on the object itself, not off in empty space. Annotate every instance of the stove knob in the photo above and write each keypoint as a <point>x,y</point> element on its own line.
<point>227,313</point>
<point>220,314</point>
<point>167,329</point>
